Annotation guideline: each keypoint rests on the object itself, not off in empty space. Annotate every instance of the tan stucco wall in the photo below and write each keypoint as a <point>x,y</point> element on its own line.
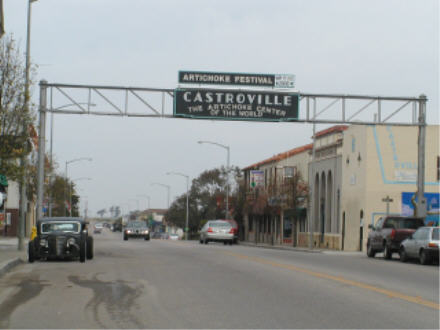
<point>388,159</point>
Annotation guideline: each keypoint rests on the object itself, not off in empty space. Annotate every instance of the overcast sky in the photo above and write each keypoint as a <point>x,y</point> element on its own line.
<point>373,47</point>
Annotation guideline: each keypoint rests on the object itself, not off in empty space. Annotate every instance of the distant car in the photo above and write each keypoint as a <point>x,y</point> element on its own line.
<point>389,232</point>
<point>217,231</point>
<point>117,226</point>
<point>97,228</point>
<point>136,229</point>
<point>423,244</point>
<point>174,237</point>
<point>156,235</point>
<point>61,238</point>
<point>165,236</point>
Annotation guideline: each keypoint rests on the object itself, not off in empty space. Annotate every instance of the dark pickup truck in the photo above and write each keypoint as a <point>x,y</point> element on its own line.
<point>389,232</point>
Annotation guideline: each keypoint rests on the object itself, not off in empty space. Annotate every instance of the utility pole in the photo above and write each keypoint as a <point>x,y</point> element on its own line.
<point>23,159</point>
<point>421,209</point>
<point>387,200</point>
<point>312,180</point>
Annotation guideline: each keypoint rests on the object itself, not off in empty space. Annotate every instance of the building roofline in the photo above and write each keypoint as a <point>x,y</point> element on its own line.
<point>298,150</point>
<point>330,130</point>
<point>281,156</point>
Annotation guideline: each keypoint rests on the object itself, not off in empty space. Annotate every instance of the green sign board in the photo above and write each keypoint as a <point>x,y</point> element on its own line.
<point>3,180</point>
<point>199,103</point>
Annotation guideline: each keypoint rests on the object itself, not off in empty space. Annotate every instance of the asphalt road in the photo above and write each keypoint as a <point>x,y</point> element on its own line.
<point>176,284</point>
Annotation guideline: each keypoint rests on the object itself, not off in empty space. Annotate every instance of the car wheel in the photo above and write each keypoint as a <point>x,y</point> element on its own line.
<point>403,255</point>
<point>206,241</point>
<point>82,252</point>
<point>201,242</point>
<point>89,247</point>
<point>387,252</point>
<point>31,252</point>
<point>370,252</point>
<point>224,242</point>
<point>423,257</point>
<point>125,238</point>
<point>230,242</point>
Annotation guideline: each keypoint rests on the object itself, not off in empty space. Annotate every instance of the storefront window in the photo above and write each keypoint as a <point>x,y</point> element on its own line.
<point>287,233</point>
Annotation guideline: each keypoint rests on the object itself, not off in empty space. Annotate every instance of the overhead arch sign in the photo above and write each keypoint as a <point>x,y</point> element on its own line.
<point>199,103</point>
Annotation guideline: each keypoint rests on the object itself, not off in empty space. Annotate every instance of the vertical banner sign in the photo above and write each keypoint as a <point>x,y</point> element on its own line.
<point>235,105</point>
<point>256,179</point>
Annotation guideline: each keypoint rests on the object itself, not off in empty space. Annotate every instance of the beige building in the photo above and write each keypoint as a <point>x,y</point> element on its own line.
<point>354,169</point>
<point>381,161</point>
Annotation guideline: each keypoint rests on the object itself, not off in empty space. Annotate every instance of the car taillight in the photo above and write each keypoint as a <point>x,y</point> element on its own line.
<point>433,245</point>
<point>210,230</point>
<point>232,231</point>
<point>393,233</point>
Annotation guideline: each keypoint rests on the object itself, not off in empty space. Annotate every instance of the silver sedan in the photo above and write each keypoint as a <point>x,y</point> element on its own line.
<point>217,231</point>
<point>422,244</point>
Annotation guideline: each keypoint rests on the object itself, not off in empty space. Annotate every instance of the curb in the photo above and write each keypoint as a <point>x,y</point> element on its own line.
<point>8,265</point>
<point>274,247</point>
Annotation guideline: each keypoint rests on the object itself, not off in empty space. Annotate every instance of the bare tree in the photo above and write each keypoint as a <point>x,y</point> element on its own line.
<point>15,118</point>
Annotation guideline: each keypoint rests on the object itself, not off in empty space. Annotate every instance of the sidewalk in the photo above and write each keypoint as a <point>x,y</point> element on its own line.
<point>302,249</point>
<point>9,254</point>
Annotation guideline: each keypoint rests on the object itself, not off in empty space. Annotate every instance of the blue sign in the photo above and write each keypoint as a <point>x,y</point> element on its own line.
<point>432,206</point>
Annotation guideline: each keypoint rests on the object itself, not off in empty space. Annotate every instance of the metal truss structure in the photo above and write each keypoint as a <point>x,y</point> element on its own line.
<point>155,102</point>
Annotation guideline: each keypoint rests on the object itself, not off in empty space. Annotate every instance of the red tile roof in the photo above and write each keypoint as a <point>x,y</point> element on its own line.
<point>281,156</point>
<point>330,130</point>
<point>298,150</point>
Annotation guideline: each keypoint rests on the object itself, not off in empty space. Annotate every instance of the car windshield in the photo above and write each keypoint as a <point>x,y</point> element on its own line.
<point>435,234</point>
<point>404,223</point>
<point>136,224</point>
<point>68,227</point>
<point>220,224</point>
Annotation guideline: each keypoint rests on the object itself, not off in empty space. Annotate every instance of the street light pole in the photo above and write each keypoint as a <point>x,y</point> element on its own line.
<point>168,190</point>
<point>51,147</point>
<point>227,171</point>
<point>187,200</point>
<point>71,188</point>
<point>66,186</point>
<point>148,200</point>
<point>23,159</point>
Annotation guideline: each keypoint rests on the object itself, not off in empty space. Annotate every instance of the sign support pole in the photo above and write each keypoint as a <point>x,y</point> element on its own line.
<point>421,201</point>
<point>41,148</point>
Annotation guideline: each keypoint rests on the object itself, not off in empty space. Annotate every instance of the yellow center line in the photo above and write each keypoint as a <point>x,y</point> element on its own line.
<point>389,293</point>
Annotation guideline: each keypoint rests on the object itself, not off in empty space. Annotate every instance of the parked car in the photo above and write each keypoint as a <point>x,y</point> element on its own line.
<point>423,244</point>
<point>217,231</point>
<point>165,236</point>
<point>389,232</point>
<point>174,237</point>
<point>61,238</point>
<point>136,229</point>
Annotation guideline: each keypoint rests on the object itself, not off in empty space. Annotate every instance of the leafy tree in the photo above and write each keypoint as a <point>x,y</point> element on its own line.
<point>206,199</point>
<point>57,189</point>
<point>15,118</point>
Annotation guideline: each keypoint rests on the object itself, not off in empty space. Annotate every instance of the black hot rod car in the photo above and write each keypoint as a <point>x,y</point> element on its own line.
<point>61,238</point>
